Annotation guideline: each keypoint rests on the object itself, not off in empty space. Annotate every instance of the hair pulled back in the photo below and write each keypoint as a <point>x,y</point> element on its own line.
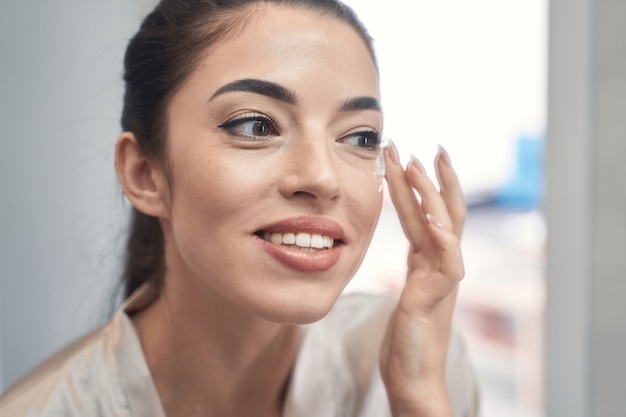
<point>158,59</point>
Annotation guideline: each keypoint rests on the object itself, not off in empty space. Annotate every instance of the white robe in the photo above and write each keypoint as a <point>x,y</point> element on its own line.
<point>104,373</point>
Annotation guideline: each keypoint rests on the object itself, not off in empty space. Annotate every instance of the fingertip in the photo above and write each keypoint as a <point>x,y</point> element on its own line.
<point>392,153</point>
<point>439,230</point>
<point>443,156</point>
<point>392,162</point>
<point>416,164</point>
<point>443,236</point>
<point>434,221</point>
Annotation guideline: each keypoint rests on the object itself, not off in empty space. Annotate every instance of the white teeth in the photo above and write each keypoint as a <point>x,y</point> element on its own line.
<point>303,240</point>
<point>277,238</point>
<point>317,241</point>
<point>306,241</point>
<point>289,238</point>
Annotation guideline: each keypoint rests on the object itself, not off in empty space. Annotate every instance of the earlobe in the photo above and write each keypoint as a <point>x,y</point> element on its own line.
<point>142,180</point>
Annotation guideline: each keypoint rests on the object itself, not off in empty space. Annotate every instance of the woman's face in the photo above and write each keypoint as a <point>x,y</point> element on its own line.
<point>272,144</point>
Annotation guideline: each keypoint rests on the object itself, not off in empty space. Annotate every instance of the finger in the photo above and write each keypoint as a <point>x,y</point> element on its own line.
<point>450,255</point>
<point>426,296</point>
<point>432,201</point>
<point>404,199</point>
<point>451,190</point>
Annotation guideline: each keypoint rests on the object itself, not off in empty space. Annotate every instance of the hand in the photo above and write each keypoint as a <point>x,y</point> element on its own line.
<point>413,357</point>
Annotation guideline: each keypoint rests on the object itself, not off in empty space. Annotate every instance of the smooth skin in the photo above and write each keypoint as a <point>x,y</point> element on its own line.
<point>222,336</point>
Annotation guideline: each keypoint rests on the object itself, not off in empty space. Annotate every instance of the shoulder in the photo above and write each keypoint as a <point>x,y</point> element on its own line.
<point>63,380</point>
<point>104,373</point>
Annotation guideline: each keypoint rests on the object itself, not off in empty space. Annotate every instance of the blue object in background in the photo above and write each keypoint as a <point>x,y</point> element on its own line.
<point>524,191</point>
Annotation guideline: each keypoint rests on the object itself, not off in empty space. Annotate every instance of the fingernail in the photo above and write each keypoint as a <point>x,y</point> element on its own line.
<point>392,151</point>
<point>417,164</point>
<point>432,219</point>
<point>443,154</point>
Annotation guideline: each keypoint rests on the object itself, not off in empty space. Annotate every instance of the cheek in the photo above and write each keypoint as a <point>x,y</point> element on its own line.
<point>366,199</point>
<point>375,203</point>
<point>213,205</point>
<point>216,184</point>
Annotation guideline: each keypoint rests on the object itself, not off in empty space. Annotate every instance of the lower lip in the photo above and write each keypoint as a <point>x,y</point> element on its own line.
<point>302,261</point>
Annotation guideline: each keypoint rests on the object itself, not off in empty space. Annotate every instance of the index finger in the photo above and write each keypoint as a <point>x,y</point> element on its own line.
<point>409,209</point>
<point>451,191</point>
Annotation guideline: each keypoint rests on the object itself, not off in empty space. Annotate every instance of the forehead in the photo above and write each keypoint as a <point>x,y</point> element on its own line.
<point>289,45</point>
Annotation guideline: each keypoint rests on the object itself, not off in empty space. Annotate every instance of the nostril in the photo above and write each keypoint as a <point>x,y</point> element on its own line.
<point>305,194</point>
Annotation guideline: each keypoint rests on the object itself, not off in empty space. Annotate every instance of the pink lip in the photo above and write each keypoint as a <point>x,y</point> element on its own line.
<point>299,260</point>
<point>307,224</point>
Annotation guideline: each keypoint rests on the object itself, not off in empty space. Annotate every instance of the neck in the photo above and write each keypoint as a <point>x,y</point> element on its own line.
<point>211,357</point>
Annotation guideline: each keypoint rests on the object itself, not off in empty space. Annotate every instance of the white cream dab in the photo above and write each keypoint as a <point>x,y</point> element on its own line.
<point>380,170</point>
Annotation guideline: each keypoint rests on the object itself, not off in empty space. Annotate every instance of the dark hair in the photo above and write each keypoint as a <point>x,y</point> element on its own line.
<point>158,59</point>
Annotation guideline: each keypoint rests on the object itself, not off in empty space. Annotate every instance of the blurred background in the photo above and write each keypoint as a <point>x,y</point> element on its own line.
<point>528,97</point>
<point>471,76</point>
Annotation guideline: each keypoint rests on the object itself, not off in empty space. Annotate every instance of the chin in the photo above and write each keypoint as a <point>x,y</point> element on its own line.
<point>303,309</point>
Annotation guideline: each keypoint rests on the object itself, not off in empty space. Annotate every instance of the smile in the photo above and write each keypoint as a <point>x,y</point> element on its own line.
<point>307,242</point>
<point>303,243</point>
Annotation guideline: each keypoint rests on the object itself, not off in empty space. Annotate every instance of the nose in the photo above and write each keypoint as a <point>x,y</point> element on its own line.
<point>311,171</point>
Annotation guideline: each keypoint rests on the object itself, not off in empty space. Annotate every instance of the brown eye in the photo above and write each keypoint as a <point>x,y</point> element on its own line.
<point>261,128</point>
<point>251,126</point>
<point>368,140</point>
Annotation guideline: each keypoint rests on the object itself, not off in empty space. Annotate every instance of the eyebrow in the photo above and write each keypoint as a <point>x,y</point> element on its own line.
<point>265,88</point>
<point>278,92</point>
<point>361,103</point>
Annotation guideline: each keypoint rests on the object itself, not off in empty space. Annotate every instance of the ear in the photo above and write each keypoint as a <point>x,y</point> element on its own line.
<point>141,178</point>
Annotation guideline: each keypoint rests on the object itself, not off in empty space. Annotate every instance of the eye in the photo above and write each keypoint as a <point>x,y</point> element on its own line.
<point>251,126</point>
<point>368,139</point>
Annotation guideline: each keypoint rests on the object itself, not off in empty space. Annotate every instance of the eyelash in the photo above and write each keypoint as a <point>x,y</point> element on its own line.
<point>372,137</point>
<point>240,122</point>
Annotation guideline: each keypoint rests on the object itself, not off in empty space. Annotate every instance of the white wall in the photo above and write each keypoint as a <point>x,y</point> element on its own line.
<point>1,372</point>
<point>61,210</point>
<point>586,209</point>
<point>569,211</point>
<point>609,217</point>
<point>470,75</point>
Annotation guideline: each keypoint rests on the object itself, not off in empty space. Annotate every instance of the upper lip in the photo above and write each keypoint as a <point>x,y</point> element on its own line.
<point>307,224</point>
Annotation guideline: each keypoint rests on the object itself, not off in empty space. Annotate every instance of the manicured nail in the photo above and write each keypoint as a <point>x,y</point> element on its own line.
<point>432,219</point>
<point>445,158</point>
<point>417,164</point>
<point>392,151</point>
